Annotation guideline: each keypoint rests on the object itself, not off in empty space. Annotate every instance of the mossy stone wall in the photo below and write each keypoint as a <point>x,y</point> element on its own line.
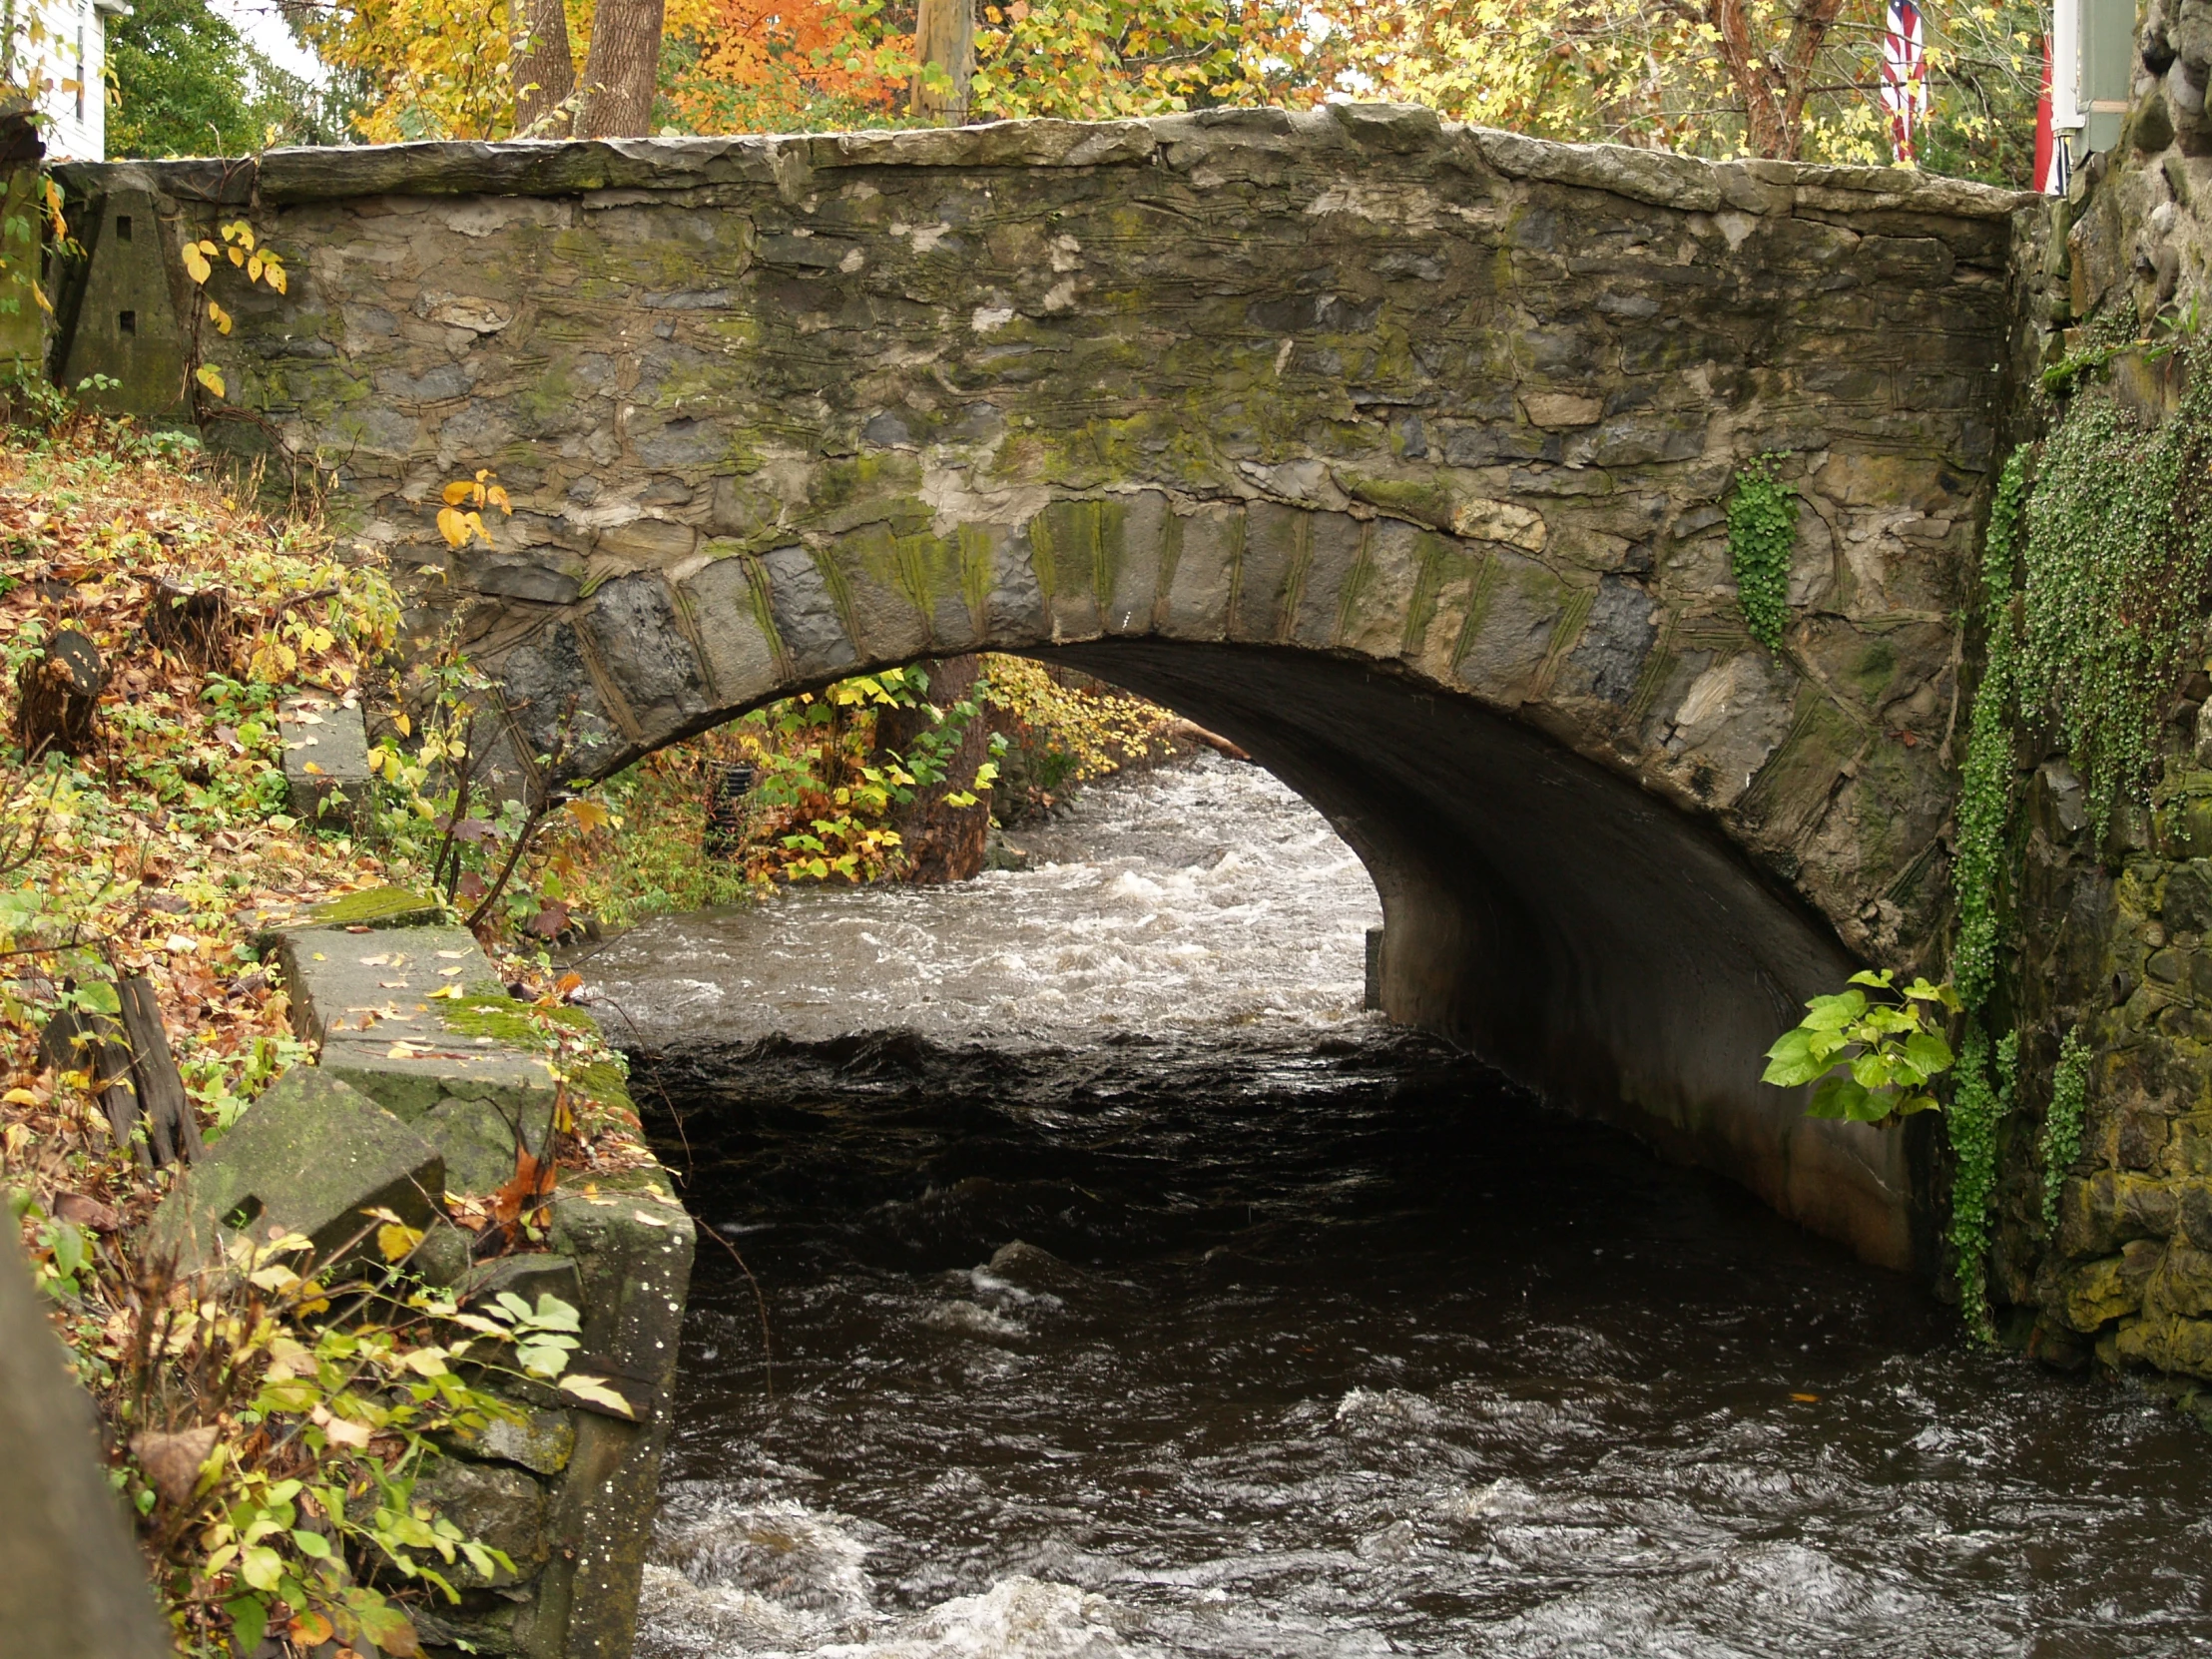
<point>1401,451</point>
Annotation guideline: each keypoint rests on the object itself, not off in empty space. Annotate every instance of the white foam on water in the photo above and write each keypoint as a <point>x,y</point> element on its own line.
<point>1188,899</point>
<point>1016,1618</point>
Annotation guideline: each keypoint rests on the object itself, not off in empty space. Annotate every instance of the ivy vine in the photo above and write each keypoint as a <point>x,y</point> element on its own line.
<point>1985,789</point>
<point>2062,1138</point>
<point>1978,1106</point>
<point>1762,532</point>
<point>2118,570</point>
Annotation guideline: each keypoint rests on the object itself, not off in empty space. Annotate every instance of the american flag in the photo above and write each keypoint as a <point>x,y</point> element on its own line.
<point>1904,76</point>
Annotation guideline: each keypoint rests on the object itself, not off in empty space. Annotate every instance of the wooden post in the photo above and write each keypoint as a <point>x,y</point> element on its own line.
<point>95,1044</point>
<point>153,1074</point>
<point>944,39</point>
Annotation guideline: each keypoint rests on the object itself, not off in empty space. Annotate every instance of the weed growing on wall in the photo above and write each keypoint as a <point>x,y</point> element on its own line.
<point>1986,791</point>
<point>2062,1138</point>
<point>1976,1109</point>
<point>1762,531</point>
<point>2118,569</point>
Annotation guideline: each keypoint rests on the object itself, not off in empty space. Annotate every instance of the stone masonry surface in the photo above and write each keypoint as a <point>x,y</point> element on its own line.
<point>1452,402</point>
<point>2119,933</point>
<point>401,1112</point>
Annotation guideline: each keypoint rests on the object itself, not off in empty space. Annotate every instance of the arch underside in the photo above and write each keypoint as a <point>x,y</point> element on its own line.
<point>1594,941</point>
<point>1589,939</point>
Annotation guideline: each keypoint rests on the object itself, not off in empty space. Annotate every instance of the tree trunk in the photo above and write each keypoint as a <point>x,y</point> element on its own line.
<point>545,71</point>
<point>1775,82</point>
<point>621,70</point>
<point>944,842</point>
<point>60,704</point>
<point>944,39</point>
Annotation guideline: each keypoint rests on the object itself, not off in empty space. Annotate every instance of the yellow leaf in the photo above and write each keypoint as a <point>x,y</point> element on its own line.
<point>454,526</point>
<point>240,232</point>
<point>452,991</point>
<point>595,1390</point>
<point>458,491</point>
<point>589,814</point>
<point>274,275</point>
<point>406,726</point>
<point>309,1628</point>
<point>221,316</point>
<point>254,269</point>
<point>210,376</point>
<point>238,256</point>
<point>45,304</point>
<point>337,1431</point>
<point>427,1362</point>
<point>395,1242</point>
<point>476,523</point>
<point>19,1097</point>
<point>497,496</point>
<point>196,264</point>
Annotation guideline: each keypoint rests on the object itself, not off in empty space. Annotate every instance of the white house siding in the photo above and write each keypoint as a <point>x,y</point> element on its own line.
<point>65,56</point>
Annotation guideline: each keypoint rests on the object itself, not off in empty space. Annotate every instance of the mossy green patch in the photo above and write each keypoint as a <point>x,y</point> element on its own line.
<point>376,907</point>
<point>525,1026</point>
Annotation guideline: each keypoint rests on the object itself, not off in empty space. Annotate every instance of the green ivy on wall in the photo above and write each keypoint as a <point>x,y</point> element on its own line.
<point>2118,569</point>
<point>1985,789</point>
<point>2062,1138</point>
<point>1978,1107</point>
<point>1762,532</point>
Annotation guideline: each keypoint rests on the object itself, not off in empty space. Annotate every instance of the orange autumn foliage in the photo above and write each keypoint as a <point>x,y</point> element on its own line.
<point>772,65</point>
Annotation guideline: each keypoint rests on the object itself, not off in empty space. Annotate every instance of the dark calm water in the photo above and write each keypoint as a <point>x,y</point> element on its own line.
<point>1237,1324</point>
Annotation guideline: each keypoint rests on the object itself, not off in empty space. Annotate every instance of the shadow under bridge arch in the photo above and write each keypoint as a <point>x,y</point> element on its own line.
<point>1586,937</point>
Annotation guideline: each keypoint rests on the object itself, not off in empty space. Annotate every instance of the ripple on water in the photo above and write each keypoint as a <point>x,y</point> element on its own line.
<point>1145,1297</point>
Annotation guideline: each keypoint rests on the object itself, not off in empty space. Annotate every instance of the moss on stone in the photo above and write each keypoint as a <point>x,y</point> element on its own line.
<point>521,1025</point>
<point>376,907</point>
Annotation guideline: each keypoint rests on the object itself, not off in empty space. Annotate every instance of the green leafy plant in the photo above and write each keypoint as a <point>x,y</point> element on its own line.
<point>1978,1104</point>
<point>1986,788</point>
<point>306,1522</point>
<point>2117,567</point>
<point>1873,1057</point>
<point>2062,1138</point>
<point>1762,533</point>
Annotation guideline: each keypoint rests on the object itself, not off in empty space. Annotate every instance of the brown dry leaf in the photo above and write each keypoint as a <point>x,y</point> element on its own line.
<point>87,1212</point>
<point>531,1185</point>
<point>171,1461</point>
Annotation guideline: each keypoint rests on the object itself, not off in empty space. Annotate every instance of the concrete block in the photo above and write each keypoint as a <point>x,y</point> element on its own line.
<point>327,775</point>
<point>366,999</point>
<point>311,1156</point>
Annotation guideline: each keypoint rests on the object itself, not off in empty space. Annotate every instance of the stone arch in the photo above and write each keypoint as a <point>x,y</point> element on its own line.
<point>1338,404</point>
<point>1567,922</point>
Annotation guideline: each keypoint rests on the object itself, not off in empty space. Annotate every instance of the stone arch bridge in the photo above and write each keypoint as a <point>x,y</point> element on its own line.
<point>1393,449</point>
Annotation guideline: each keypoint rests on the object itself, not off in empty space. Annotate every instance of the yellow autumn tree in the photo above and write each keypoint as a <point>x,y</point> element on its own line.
<point>1788,79</point>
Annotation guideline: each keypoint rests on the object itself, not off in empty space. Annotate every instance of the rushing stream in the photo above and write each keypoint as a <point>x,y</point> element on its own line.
<point>1130,1292</point>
